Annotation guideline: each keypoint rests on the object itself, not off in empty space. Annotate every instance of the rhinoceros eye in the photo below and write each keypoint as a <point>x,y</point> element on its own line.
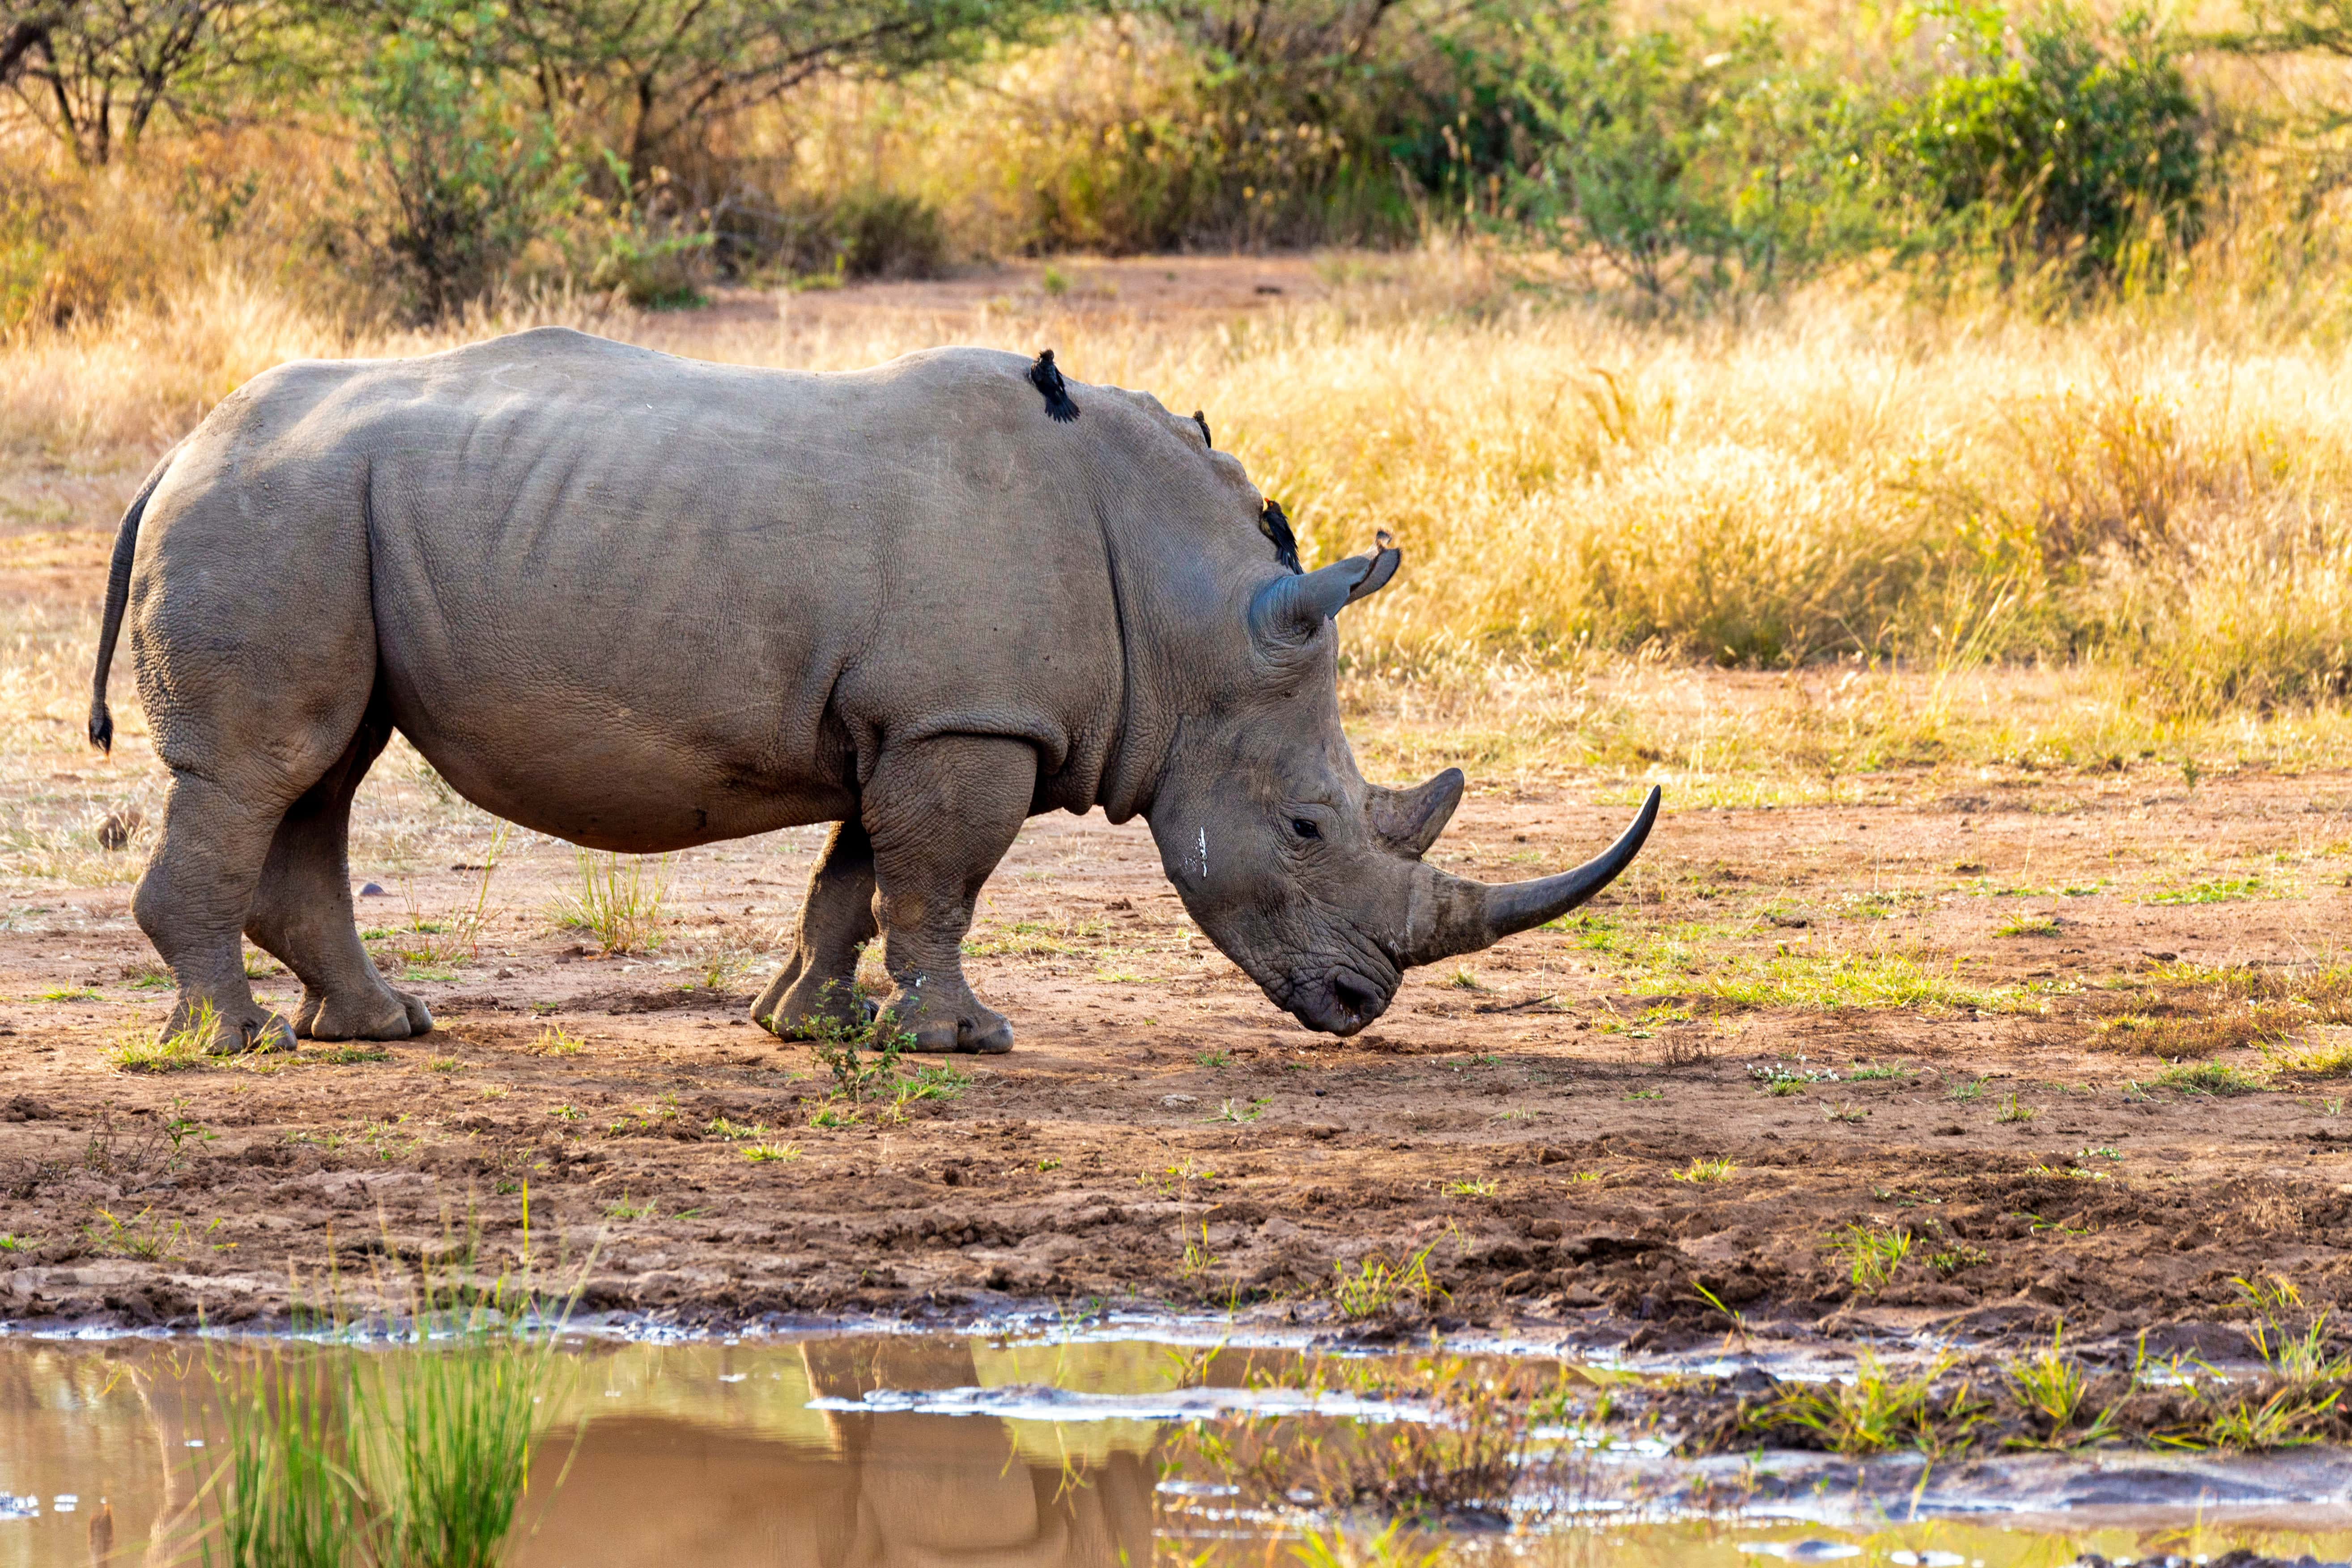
<point>1304,829</point>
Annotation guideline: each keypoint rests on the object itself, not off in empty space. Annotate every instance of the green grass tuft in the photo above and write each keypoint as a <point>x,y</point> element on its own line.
<point>2209,1078</point>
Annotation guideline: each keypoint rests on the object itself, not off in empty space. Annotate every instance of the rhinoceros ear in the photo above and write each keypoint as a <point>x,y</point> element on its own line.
<point>1289,611</point>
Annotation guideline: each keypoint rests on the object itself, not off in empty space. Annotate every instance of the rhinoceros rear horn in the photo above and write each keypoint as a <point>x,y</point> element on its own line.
<point>1291,610</point>
<point>1453,915</point>
<point>1407,821</point>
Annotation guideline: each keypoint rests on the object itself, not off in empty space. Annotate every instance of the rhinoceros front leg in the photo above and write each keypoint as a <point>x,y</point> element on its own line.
<point>817,989</point>
<point>942,814</point>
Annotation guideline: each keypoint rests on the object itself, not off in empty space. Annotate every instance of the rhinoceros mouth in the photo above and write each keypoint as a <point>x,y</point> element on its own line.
<point>1338,1003</point>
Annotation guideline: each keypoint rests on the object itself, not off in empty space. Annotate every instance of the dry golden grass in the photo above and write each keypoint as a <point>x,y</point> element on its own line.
<point>2178,1011</point>
<point>1903,505</point>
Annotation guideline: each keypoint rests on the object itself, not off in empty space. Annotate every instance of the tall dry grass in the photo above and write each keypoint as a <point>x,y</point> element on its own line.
<point>2133,498</point>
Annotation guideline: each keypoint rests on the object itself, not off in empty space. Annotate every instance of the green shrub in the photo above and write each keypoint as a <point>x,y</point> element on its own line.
<point>1693,168</point>
<point>469,173</point>
<point>2069,150</point>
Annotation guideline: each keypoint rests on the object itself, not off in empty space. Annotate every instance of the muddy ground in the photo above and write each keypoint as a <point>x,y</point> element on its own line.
<point>1995,963</point>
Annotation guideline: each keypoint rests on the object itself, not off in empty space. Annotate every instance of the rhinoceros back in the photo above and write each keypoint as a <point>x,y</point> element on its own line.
<point>642,601</point>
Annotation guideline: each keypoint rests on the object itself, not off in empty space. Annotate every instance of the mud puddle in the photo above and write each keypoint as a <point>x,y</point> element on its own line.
<point>1075,1452</point>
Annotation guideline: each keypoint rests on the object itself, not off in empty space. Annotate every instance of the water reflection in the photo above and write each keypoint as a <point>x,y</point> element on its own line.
<point>783,1484</point>
<point>710,1454</point>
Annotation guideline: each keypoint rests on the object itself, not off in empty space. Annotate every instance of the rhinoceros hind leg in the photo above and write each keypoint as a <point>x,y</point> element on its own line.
<point>303,909</point>
<point>942,814</point>
<point>816,991</point>
<point>191,903</point>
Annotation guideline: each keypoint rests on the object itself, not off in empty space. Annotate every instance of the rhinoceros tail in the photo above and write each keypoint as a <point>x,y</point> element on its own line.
<point>1048,379</point>
<point>118,595</point>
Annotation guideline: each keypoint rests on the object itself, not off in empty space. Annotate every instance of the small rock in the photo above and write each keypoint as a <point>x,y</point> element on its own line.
<point>373,890</point>
<point>115,832</point>
<point>1179,1099</point>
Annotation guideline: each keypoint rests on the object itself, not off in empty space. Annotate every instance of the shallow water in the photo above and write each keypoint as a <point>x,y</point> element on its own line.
<point>933,1451</point>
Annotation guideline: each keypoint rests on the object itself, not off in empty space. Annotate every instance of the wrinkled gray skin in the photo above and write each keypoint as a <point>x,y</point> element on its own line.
<point>642,603</point>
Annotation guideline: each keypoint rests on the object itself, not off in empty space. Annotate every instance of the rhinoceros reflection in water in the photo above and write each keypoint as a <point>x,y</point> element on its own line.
<point>926,1491</point>
<point>679,1465</point>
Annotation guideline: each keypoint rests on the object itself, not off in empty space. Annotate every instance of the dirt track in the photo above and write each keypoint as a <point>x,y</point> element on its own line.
<point>1088,1163</point>
<point>1162,1135</point>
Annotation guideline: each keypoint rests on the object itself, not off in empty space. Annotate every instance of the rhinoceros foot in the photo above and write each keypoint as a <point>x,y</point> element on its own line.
<point>387,1015</point>
<point>946,1023</point>
<point>800,1005</point>
<point>255,1029</point>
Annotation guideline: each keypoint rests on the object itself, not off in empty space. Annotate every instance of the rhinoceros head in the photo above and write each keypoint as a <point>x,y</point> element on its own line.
<point>1309,878</point>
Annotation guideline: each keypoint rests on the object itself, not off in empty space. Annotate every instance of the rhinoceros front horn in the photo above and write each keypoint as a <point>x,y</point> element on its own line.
<point>1450,915</point>
<point>1407,821</point>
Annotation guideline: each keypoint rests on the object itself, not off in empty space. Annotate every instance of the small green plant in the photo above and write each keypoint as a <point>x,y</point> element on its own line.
<point>2331,1060</point>
<point>858,1078</point>
<point>1048,1163</point>
<point>2027,925</point>
<point>1213,1059</point>
<point>1471,1189</point>
<point>622,1208</point>
<point>1844,1111</point>
<point>167,1049</point>
<point>1871,1256</point>
<point>445,1064</point>
<point>2211,1078</point>
<point>61,994</point>
<point>1738,1318</point>
<point>735,1131</point>
<point>1198,1259</point>
<point>1953,1260</point>
<point>1377,1285</point>
<point>773,1153</point>
<point>1647,1094</point>
<point>1237,1111</point>
<point>2214,890</point>
<point>1873,1412</point>
<point>567,1113</point>
<point>11,1242</point>
<point>1780,1079</point>
<point>2298,1356</point>
<point>2283,1420</point>
<point>726,964</point>
<point>1706,1169</point>
<point>620,907</point>
<point>143,1237</point>
<point>1878,1072</point>
<point>1972,1090</point>
<point>2015,1109</point>
<point>833,1118</point>
<point>925,1083</point>
<point>2052,1388</point>
<point>1464,980</point>
<point>555,1041</point>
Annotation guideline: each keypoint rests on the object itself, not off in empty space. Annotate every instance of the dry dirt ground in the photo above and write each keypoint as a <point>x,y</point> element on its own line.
<point>1968,982</point>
